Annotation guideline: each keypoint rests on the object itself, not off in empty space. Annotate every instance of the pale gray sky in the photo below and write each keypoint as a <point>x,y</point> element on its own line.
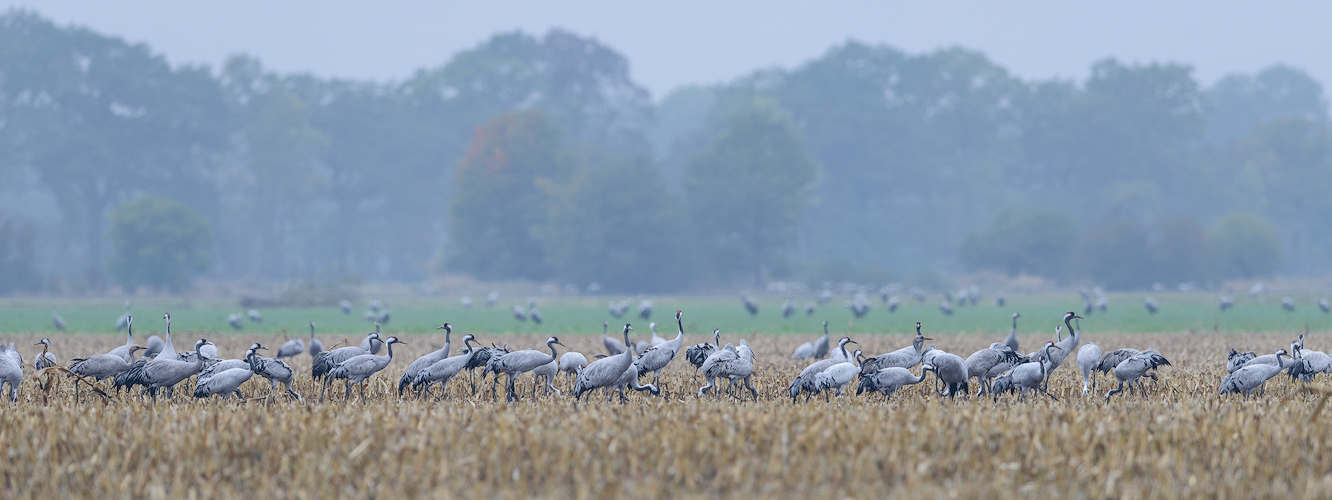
<point>682,42</point>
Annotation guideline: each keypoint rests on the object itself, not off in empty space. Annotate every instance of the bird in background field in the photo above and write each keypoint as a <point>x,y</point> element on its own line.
<point>123,321</point>
<point>316,346</point>
<point>345,306</point>
<point>613,347</point>
<point>1288,304</point>
<point>254,316</point>
<point>59,321</point>
<point>815,349</point>
<point>750,304</point>
<point>1012,341</point>
<point>1150,305</point>
<point>234,319</point>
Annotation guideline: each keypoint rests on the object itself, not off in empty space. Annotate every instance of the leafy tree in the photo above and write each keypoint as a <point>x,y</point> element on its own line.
<point>1244,245</point>
<point>100,120</point>
<point>158,243</point>
<point>1242,102</point>
<point>620,226</point>
<point>748,190</point>
<point>1038,242</point>
<point>503,195</point>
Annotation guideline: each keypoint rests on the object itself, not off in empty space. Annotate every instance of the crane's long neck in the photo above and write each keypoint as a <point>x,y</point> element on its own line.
<point>448,332</point>
<point>312,333</point>
<point>628,347</point>
<point>551,345</point>
<point>679,322</point>
<point>1046,360</point>
<point>1069,325</point>
<point>842,346</point>
<point>921,378</point>
<point>716,338</point>
<point>129,334</point>
<point>390,350</point>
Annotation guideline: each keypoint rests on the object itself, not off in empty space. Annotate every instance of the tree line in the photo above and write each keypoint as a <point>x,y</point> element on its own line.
<point>538,157</point>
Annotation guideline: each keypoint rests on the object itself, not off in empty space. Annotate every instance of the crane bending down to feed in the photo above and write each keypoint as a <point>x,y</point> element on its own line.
<point>1250,377</point>
<point>1089,356</point>
<point>1026,376</point>
<point>100,366</point>
<point>273,369</point>
<point>805,381</point>
<point>698,353</point>
<point>889,380</point>
<point>1132,369</point>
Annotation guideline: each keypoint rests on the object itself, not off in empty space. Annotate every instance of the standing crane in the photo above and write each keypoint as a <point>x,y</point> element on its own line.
<point>373,344</point>
<point>614,347</point>
<point>656,339</point>
<point>835,377</point>
<point>1132,369</point>
<point>1309,363</point>
<point>163,372</point>
<point>1089,356</point>
<point>423,362</point>
<point>1150,305</point>
<point>1011,341</point>
<point>326,361</point>
<point>123,321</point>
<point>226,382</point>
<point>1251,376</point>
<point>981,364</point>
<point>445,369</point>
<point>951,369</point>
<point>698,353</point>
<point>47,358</point>
<point>1027,376</point>
<point>519,362</point>
<point>603,372</point>
<point>316,346</point>
<point>57,320</point>
<point>655,358</point>
<point>345,306</point>
<point>126,352</point>
<point>273,369</point>
<point>905,357</point>
<point>291,348</point>
<point>570,363</point>
<point>805,380</point>
<point>751,305</point>
<point>816,349</point>
<point>11,370</point>
<point>100,366</point>
<point>356,370</point>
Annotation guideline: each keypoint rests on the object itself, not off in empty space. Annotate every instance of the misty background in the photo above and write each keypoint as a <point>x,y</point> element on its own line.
<point>537,155</point>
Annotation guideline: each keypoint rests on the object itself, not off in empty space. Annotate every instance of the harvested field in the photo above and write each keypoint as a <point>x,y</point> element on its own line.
<point>1182,440</point>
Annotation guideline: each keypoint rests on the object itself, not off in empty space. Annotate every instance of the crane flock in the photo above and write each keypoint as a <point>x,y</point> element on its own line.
<point>994,370</point>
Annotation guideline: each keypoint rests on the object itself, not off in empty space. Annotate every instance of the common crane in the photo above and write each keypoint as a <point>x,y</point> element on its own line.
<point>226,382</point>
<point>1251,376</point>
<point>548,372</point>
<point>1288,304</point>
<point>59,321</point>
<point>326,361</point>
<point>1274,359</point>
<point>788,308</point>
<point>123,321</point>
<point>356,370</point>
<point>613,346</point>
<point>1011,341</point>
<point>162,372</point>
<point>905,357</point>
<point>889,380</point>
<point>980,364</point>
<point>235,320</point>
<point>345,306</point>
<point>492,298</point>
<point>750,304</point>
<point>423,362</point>
<point>154,347</point>
<point>1132,369</point>
<point>273,369</point>
<point>373,344</point>
<point>1027,376</point>
<point>835,377</point>
<point>1236,359</point>
<point>519,362</point>
<point>47,358</point>
<point>254,315</point>
<point>815,349</point>
<point>100,366</point>
<point>655,358</point>
<point>698,353</point>
<point>805,380</point>
<point>570,363</point>
<point>945,308</point>
<point>1324,305</point>
<point>291,348</point>
<point>316,346</point>
<point>11,370</point>
<point>518,313</point>
<point>656,339</point>
<point>1089,356</point>
<point>603,372</point>
<point>951,370</point>
<point>1150,304</point>
<point>1308,363</point>
<point>445,369</point>
<point>125,352</point>
<point>645,309</point>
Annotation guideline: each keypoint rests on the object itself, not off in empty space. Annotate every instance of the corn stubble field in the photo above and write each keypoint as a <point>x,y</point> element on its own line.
<point>1183,440</point>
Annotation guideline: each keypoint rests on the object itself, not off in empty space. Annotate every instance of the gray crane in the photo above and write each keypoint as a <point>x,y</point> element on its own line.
<point>1011,341</point>
<point>805,380</point>
<point>11,370</point>
<point>536,315</point>
<point>905,357</point>
<point>123,321</point>
<point>1251,376</point>
<point>1224,302</point>
<point>951,369</point>
<point>1027,376</point>
<point>47,358</point>
<point>326,361</point>
<point>645,309</point>
<point>168,350</point>
<point>655,358</point>
<point>492,298</point>
<point>254,315</point>
<point>445,369</point>
<point>788,308</point>
<point>893,304</point>
<point>1132,369</point>
<point>810,308</point>
<point>1324,305</point>
<point>570,363</point>
<point>980,364</point>
<point>154,346</point>
<point>945,308</point>
<point>100,366</point>
<point>548,372</point>
<point>1288,304</point>
<point>629,379</point>
<point>227,381</point>
<point>889,380</point>
<point>698,353</point>
<point>482,359</point>
<point>519,362</point>
<point>466,302</point>
<point>423,362</point>
<point>373,344</point>
<point>161,372</point>
<point>605,371</point>
<point>750,304</point>
<point>815,349</point>
<point>1273,359</point>
<point>236,321</point>
<point>291,348</point>
<point>614,347</point>
<point>345,306</point>
<point>57,320</point>
<point>125,352</point>
<point>316,346</point>
<point>357,370</point>
<point>1309,363</point>
<point>1065,346</point>
<point>273,369</point>
<point>519,313</point>
<point>1089,357</point>
<point>656,339</point>
<point>835,377</point>
<point>1236,359</point>
<point>1150,305</point>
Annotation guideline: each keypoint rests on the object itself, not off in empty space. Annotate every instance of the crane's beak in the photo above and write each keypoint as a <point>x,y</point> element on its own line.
<point>927,338</point>
<point>262,347</point>
<point>853,342</point>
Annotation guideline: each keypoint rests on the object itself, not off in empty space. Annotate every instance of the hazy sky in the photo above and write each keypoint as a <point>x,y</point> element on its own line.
<point>681,42</point>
